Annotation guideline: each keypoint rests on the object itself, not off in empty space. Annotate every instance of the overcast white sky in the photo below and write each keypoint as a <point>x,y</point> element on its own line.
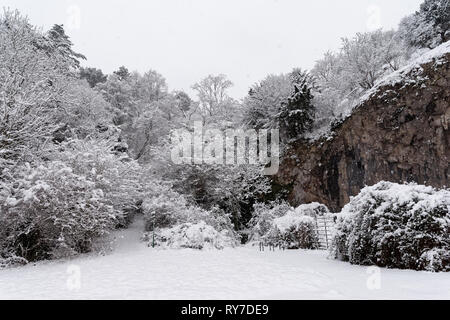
<point>186,40</point>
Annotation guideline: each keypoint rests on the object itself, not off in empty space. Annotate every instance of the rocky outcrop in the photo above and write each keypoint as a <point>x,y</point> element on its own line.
<point>400,134</point>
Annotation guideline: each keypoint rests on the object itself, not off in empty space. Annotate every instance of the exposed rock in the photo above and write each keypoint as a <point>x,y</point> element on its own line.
<point>400,134</point>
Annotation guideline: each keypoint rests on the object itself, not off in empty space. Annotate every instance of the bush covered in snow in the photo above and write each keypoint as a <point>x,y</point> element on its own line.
<point>181,224</point>
<point>164,208</point>
<point>191,235</point>
<point>117,175</point>
<point>49,211</point>
<point>263,217</point>
<point>312,210</point>
<point>396,226</point>
<point>290,228</point>
<point>293,232</point>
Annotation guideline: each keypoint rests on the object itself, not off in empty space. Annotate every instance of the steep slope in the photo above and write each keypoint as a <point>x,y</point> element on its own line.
<point>399,132</point>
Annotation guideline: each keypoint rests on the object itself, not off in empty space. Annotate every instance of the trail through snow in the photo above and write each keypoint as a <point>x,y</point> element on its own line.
<point>134,271</point>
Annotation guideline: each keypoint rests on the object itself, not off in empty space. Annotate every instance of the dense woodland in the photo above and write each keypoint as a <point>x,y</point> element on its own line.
<point>83,153</point>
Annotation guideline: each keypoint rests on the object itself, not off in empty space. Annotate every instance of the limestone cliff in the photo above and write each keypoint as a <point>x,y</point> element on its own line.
<point>400,133</point>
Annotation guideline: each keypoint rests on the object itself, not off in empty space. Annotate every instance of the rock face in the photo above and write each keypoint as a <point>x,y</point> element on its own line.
<point>400,134</point>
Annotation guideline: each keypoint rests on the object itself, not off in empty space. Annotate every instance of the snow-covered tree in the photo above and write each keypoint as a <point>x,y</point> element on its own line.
<point>297,113</point>
<point>428,27</point>
<point>122,73</point>
<point>283,102</point>
<point>367,56</point>
<point>36,72</point>
<point>61,46</point>
<point>142,107</point>
<point>51,204</point>
<point>83,113</point>
<point>118,92</point>
<point>215,105</point>
<point>264,100</point>
<point>342,77</point>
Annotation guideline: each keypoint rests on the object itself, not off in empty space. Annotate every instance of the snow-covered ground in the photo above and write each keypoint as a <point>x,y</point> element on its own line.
<point>134,271</point>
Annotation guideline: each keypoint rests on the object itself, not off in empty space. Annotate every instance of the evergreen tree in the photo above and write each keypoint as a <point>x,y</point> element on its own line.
<point>184,102</point>
<point>122,73</point>
<point>297,113</point>
<point>437,12</point>
<point>93,76</point>
<point>428,27</point>
<point>62,44</point>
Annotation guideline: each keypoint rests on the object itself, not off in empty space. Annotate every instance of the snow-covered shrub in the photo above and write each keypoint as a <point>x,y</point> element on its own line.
<point>293,232</point>
<point>163,208</point>
<point>175,220</point>
<point>231,188</point>
<point>7,259</point>
<point>191,235</point>
<point>118,176</point>
<point>49,211</point>
<point>397,226</point>
<point>280,224</point>
<point>263,217</point>
<point>297,228</point>
<point>313,209</point>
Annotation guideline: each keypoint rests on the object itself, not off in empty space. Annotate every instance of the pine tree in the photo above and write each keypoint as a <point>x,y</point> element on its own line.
<point>93,76</point>
<point>62,44</point>
<point>428,27</point>
<point>122,73</point>
<point>437,12</point>
<point>297,113</point>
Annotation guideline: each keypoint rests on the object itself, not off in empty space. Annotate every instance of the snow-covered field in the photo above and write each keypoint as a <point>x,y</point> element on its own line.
<point>134,271</point>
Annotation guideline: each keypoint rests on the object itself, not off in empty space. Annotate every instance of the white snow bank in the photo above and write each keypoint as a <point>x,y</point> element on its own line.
<point>244,273</point>
<point>134,271</point>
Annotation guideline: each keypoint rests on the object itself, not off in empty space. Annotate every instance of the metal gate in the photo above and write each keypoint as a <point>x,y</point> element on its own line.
<point>324,229</point>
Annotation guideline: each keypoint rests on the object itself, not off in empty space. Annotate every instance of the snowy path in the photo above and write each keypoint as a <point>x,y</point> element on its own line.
<point>135,271</point>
